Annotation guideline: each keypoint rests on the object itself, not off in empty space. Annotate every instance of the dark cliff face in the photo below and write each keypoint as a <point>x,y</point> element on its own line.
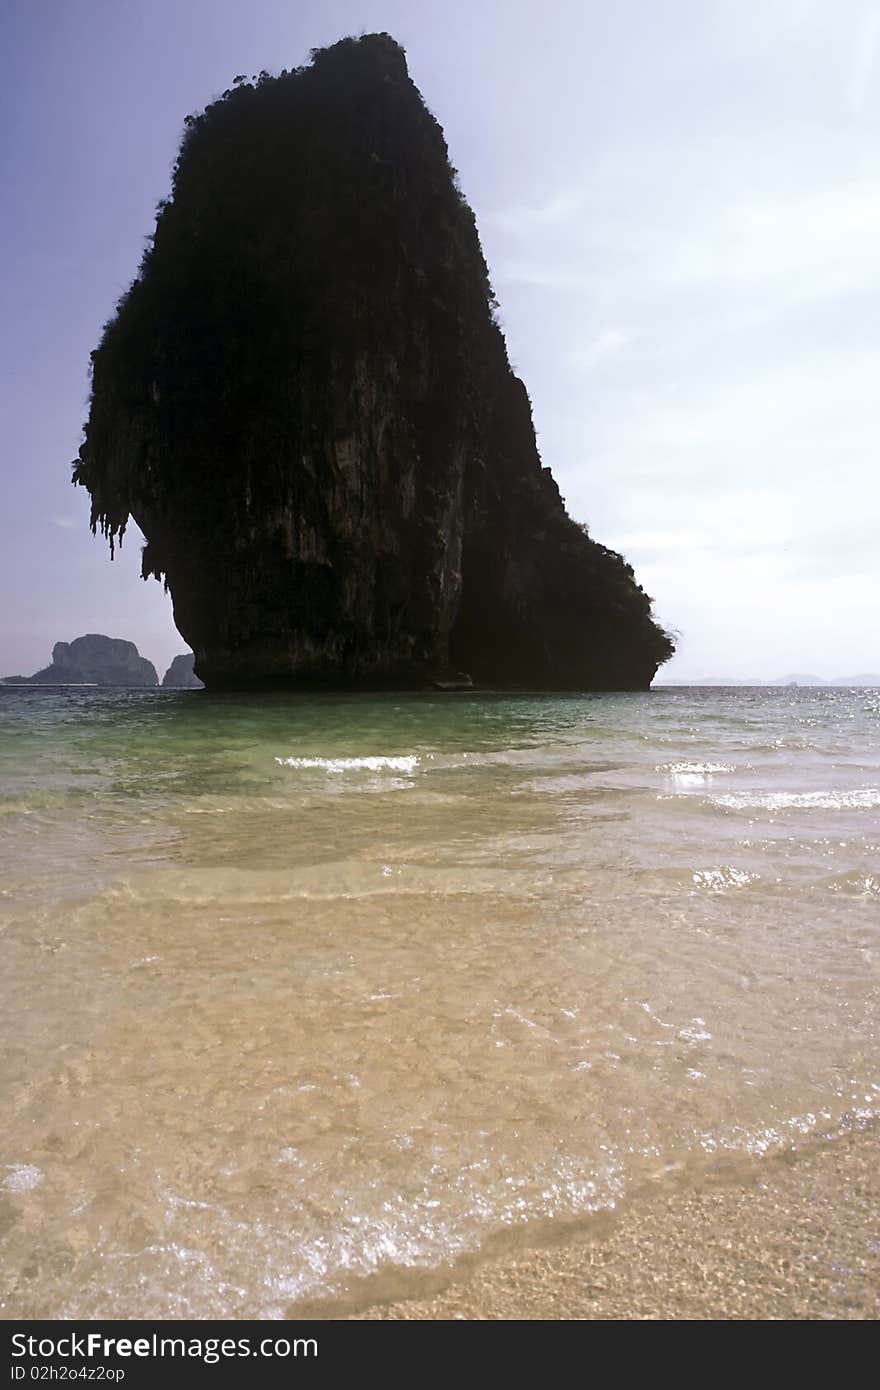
<point>305,403</point>
<point>96,660</point>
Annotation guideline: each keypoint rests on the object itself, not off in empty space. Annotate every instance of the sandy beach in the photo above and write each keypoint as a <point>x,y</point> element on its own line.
<point>799,1239</point>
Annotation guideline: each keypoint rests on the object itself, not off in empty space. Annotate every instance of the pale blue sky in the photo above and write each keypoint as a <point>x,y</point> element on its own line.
<point>680,208</point>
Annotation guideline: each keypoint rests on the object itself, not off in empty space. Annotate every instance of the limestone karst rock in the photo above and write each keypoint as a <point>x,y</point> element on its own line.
<point>180,674</point>
<point>94,660</point>
<point>306,404</point>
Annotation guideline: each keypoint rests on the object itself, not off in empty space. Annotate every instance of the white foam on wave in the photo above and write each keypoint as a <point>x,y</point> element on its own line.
<point>861,798</point>
<point>696,1031</point>
<point>694,769</point>
<point>414,1233</point>
<point>22,1177</point>
<point>720,879</point>
<point>402,764</point>
<point>863,885</point>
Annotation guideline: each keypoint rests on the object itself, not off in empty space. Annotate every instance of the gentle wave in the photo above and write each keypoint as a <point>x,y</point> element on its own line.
<point>22,1177</point>
<point>860,885</point>
<point>724,877</point>
<point>402,764</point>
<point>694,769</point>
<point>333,880</point>
<point>865,798</point>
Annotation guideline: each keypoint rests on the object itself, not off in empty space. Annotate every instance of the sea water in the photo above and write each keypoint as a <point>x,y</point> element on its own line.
<point>307,1001</point>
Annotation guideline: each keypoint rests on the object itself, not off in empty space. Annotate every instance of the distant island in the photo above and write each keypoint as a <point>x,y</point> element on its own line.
<point>93,660</point>
<point>868,678</point>
<point>305,402</point>
<point>180,674</point>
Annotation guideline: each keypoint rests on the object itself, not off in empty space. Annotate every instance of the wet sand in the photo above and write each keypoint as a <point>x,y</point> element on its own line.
<point>798,1238</point>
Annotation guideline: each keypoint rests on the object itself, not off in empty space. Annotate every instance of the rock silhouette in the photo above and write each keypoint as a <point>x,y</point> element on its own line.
<point>180,674</point>
<point>93,660</point>
<point>306,404</point>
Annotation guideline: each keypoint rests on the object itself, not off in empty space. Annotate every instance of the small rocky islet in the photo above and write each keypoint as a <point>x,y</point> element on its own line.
<point>108,661</point>
<point>93,660</point>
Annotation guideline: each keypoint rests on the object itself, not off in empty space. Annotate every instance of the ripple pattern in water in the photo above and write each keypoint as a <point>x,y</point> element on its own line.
<point>307,999</point>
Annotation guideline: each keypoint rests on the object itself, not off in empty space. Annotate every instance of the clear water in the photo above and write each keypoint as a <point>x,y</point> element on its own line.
<point>306,1000</point>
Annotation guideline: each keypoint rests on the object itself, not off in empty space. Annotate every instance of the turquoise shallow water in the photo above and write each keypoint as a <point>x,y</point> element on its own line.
<point>305,1000</point>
